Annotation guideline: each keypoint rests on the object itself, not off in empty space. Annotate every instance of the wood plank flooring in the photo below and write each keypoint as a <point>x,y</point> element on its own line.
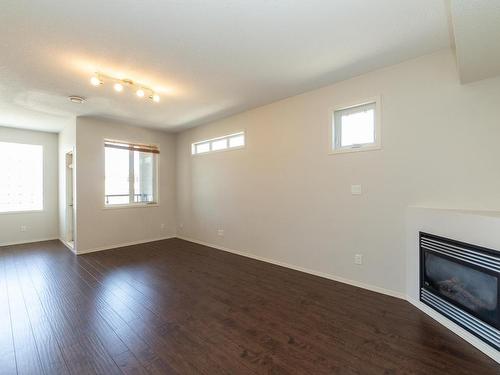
<point>175,307</point>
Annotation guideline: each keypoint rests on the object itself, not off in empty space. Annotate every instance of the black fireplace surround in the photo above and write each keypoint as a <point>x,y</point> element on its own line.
<point>462,282</point>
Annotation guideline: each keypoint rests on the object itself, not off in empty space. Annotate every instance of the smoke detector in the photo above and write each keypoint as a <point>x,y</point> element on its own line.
<point>76,99</point>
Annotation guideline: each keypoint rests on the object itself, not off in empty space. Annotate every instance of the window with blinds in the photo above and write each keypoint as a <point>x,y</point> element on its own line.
<point>131,173</point>
<point>21,177</point>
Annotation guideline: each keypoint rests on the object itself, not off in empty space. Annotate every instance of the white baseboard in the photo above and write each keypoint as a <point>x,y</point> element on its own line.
<point>66,243</point>
<point>358,284</point>
<point>455,328</point>
<point>28,241</point>
<point>109,247</point>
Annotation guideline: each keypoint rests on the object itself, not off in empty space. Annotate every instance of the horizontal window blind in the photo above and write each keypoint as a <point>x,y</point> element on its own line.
<point>132,146</point>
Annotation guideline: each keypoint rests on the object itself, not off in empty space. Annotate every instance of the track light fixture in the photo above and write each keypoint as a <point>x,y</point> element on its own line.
<point>119,84</point>
<point>95,81</point>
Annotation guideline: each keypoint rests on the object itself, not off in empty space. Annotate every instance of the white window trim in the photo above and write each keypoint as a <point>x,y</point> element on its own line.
<point>22,212</point>
<point>193,144</point>
<point>156,203</point>
<point>42,210</point>
<point>377,145</point>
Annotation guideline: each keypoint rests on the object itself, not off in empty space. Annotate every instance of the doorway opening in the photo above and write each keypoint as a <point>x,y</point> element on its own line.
<point>70,221</point>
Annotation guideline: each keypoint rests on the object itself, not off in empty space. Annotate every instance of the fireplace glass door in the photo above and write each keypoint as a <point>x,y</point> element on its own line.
<point>471,289</point>
<point>462,281</point>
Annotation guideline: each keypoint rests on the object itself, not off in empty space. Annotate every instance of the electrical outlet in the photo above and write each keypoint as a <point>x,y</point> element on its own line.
<point>356,189</point>
<point>162,226</point>
<point>358,259</point>
<point>220,232</point>
<point>24,228</point>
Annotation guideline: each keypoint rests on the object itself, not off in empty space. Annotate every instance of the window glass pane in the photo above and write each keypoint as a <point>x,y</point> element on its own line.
<point>202,147</point>
<point>237,141</point>
<point>219,144</point>
<point>357,127</point>
<point>144,177</point>
<point>21,177</point>
<point>116,176</point>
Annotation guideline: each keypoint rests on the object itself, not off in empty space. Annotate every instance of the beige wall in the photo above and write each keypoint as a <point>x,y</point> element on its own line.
<point>284,198</point>
<point>39,225</point>
<point>98,227</point>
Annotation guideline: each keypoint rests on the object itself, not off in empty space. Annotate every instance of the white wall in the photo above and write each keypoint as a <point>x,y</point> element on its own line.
<point>67,142</point>
<point>98,227</point>
<point>284,198</point>
<point>40,225</point>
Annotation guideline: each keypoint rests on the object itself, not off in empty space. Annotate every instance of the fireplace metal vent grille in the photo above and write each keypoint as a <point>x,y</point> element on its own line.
<point>479,259</point>
<point>471,323</point>
<point>462,282</point>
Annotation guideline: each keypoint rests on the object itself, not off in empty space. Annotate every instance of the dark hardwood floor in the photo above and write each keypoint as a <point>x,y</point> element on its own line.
<point>175,307</point>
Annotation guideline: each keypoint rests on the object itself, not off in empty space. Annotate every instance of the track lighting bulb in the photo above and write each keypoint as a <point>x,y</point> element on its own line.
<point>120,84</point>
<point>95,81</point>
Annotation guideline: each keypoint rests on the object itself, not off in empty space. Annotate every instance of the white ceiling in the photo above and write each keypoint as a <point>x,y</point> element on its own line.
<point>476,26</point>
<point>208,59</point>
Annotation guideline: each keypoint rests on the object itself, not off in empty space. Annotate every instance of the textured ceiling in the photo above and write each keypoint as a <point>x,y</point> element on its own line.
<point>208,59</point>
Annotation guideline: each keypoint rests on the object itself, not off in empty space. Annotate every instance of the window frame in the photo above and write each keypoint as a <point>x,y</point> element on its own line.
<point>42,210</point>
<point>376,145</point>
<point>226,137</point>
<point>156,178</point>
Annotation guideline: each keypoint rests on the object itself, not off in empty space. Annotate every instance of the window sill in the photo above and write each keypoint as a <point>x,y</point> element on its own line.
<point>218,151</point>
<point>22,212</point>
<point>354,149</point>
<point>137,205</point>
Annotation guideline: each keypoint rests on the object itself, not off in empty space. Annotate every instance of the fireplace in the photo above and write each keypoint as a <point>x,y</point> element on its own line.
<point>462,282</point>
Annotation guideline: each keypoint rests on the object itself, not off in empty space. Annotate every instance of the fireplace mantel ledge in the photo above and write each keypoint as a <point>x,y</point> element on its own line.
<point>488,213</point>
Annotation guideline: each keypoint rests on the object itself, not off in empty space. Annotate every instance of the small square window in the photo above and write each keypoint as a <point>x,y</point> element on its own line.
<point>356,128</point>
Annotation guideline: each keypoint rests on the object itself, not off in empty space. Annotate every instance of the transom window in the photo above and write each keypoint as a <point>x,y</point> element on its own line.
<point>131,173</point>
<point>356,128</point>
<point>21,177</point>
<point>227,142</point>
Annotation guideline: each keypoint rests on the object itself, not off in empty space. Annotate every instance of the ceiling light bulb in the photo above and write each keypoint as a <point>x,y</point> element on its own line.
<point>95,81</point>
<point>156,98</point>
<point>140,93</point>
<point>118,87</point>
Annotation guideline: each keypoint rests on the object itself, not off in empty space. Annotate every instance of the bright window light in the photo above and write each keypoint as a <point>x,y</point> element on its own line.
<point>237,141</point>
<point>227,142</point>
<point>355,128</point>
<point>130,174</point>
<point>220,144</point>
<point>21,177</point>
<point>202,147</point>
<point>117,176</point>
